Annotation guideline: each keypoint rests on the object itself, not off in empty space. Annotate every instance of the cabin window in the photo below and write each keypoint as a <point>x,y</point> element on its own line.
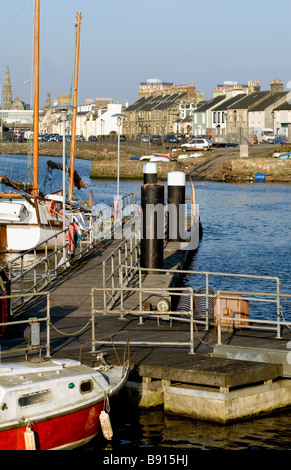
<point>86,386</point>
<point>36,398</point>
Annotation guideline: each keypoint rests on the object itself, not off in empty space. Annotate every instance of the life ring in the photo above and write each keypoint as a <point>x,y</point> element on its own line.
<point>52,207</point>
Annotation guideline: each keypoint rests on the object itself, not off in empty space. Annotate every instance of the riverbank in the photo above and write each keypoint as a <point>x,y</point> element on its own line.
<point>223,164</point>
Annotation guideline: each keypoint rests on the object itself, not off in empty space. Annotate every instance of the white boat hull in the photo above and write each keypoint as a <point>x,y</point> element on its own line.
<point>28,222</point>
<point>57,402</point>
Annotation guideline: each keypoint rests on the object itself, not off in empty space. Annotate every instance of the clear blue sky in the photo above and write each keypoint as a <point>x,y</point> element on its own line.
<point>124,42</point>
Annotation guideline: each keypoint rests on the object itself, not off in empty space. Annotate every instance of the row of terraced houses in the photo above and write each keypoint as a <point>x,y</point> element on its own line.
<point>165,108</point>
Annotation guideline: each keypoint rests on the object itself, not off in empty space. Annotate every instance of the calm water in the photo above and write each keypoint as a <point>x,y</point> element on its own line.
<point>246,229</point>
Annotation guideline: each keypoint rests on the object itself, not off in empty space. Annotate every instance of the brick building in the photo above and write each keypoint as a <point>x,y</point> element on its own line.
<point>160,108</point>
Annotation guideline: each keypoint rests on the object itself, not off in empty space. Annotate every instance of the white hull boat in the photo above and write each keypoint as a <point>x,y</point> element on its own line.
<point>55,404</point>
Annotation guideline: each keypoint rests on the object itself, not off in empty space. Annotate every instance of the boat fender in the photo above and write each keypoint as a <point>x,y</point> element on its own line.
<point>52,206</point>
<point>106,425</point>
<point>29,439</point>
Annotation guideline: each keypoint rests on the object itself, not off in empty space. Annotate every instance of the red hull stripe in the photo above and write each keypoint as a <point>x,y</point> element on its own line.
<point>56,432</point>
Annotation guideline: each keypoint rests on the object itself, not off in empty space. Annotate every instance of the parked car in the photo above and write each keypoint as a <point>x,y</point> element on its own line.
<point>170,139</point>
<point>56,138</point>
<point>80,138</point>
<point>93,138</point>
<point>123,138</point>
<point>280,139</point>
<point>267,136</point>
<point>51,137</point>
<point>143,138</point>
<point>156,139</point>
<point>197,144</point>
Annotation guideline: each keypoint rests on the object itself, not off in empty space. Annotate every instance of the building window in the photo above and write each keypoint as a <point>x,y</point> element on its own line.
<point>214,117</point>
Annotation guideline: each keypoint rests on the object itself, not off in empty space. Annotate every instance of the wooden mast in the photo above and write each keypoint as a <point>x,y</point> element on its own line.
<point>36,98</point>
<point>75,104</point>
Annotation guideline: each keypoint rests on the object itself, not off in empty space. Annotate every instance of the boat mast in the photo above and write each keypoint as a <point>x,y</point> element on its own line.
<point>75,104</point>
<point>36,98</point>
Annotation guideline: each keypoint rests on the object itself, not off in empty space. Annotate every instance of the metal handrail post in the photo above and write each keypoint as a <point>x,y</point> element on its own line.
<point>104,284</point>
<point>121,292</point>
<point>192,351</point>
<point>218,319</point>
<point>207,303</point>
<point>21,279</point>
<point>93,320</point>
<point>140,296</point>
<point>278,309</point>
<point>48,322</point>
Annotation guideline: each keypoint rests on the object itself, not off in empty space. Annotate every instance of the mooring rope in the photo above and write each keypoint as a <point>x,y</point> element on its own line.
<point>71,334</point>
<point>71,306</point>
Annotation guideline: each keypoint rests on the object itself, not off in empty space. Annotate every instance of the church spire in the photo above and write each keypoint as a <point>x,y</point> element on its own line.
<point>7,91</point>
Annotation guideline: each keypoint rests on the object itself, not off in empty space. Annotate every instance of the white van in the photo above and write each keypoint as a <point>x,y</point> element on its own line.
<point>267,136</point>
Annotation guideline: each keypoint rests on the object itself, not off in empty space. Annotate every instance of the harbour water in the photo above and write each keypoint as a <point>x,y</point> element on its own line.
<point>246,229</point>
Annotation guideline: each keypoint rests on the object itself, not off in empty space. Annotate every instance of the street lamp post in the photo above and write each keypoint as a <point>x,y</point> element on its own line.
<point>63,108</point>
<point>119,116</point>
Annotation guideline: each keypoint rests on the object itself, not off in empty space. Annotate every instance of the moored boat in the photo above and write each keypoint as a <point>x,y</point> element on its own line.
<point>27,217</point>
<point>54,404</point>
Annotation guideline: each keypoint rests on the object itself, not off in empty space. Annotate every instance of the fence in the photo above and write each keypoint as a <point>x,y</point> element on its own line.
<point>140,311</point>
<point>113,273</point>
<point>31,271</point>
<point>205,317</point>
<point>32,336</point>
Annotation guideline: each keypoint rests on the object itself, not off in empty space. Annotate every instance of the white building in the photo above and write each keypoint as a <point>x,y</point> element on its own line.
<point>89,121</point>
<point>282,119</point>
<point>261,115</point>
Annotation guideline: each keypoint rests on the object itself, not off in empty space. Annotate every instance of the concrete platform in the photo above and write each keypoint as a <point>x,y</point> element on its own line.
<point>210,388</point>
<point>213,372</point>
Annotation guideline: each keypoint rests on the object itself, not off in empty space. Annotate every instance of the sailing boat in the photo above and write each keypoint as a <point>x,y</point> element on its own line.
<point>29,218</point>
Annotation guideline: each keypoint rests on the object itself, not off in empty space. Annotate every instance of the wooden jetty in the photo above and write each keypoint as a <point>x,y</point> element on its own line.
<point>244,374</point>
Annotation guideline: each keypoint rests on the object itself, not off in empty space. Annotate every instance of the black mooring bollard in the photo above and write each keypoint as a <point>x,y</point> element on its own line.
<point>150,173</point>
<point>176,206</point>
<point>153,226</point>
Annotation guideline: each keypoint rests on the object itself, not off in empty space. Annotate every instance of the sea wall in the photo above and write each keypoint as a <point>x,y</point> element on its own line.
<point>273,168</point>
<point>128,170</point>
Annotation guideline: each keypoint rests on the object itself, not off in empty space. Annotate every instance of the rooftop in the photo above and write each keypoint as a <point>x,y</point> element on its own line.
<point>286,106</point>
<point>225,104</point>
<point>209,104</point>
<point>268,101</point>
<point>250,100</point>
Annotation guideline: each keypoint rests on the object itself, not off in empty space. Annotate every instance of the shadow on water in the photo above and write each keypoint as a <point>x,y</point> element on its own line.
<point>154,429</point>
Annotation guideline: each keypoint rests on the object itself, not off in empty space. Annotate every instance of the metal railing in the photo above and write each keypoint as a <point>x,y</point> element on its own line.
<point>141,312</point>
<point>113,273</point>
<point>33,338</point>
<point>207,318</point>
<point>31,271</point>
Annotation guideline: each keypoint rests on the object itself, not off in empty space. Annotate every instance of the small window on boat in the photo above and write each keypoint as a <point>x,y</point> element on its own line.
<point>35,398</point>
<point>86,386</point>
